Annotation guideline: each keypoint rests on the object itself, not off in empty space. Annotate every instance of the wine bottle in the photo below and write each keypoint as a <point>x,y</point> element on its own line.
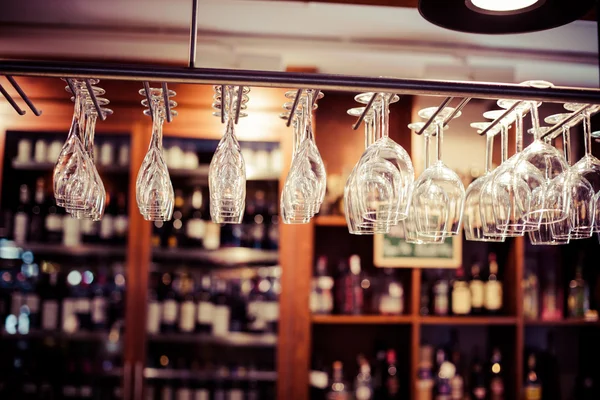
<point>533,385</point>
<point>169,306</point>
<point>83,305</point>
<point>493,288</point>
<point>21,222</point>
<point>54,222</point>
<point>106,231</point>
<point>338,389</point>
<point>187,314</point>
<point>196,226</point>
<point>50,301</point>
<point>176,225</point>
<point>204,306</point>
<point>36,227</point>
<point>391,381</point>
<point>221,309</point>
<point>477,290</point>
<point>440,295</point>
<point>121,220</point>
<point>424,384</point>
<point>391,300</point>
<point>578,300</point>
<point>496,376</point>
<point>461,294</point>
<point>99,306</point>
<point>363,386</point>
<point>153,320</point>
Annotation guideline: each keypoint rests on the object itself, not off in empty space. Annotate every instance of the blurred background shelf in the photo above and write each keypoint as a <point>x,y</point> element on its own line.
<point>472,320</point>
<point>362,319</point>
<point>155,373</point>
<point>563,322</point>
<point>80,336</point>
<point>223,256</point>
<point>36,166</point>
<point>81,250</point>
<point>330,220</point>
<point>200,174</point>
<point>233,339</point>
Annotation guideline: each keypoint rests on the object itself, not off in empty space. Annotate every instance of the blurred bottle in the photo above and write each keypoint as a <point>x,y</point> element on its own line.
<point>391,296</point>
<point>121,220</point>
<point>478,378</point>
<point>579,293</point>
<point>440,295</point>
<point>321,297</point>
<point>153,319</point>
<point>551,298</point>
<point>204,306</point>
<point>493,288</point>
<point>196,226</point>
<point>391,381</point>
<point>169,306</point>
<point>461,294</point>
<point>338,389</point>
<point>496,375</point>
<point>531,294</point>
<point>176,227</point>
<point>187,311</point>
<point>349,296</point>
<point>477,290</point>
<point>38,210</point>
<point>424,384</point>
<point>549,370</point>
<point>21,219</point>
<point>363,385</point>
<point>533,385</point>
<point>221,308</point>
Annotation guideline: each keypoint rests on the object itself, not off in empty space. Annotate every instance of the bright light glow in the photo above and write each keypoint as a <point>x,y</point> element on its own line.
<point>503,5</point>
<point>88,277</point>
<point>74,278</point>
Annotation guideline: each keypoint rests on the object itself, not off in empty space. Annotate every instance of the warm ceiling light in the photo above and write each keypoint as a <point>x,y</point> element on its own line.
<point>503,6</point>
<point>503,16</point>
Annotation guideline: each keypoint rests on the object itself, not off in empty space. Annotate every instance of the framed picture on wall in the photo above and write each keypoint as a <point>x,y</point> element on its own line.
<point>392,251</point>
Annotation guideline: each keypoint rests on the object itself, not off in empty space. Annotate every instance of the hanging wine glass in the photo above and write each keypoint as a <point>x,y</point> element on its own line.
<point>154,190</point>
<point>439,193</point>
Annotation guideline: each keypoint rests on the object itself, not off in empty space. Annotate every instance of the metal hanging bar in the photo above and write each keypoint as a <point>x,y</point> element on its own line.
<point>500,118</point>
<point>90,90</point>
<point>193,34</point>
<point>458,109</point>
<point>223,103</point>
<point>435,114</point>
<point>149,99</point>
<point>365,111</point>
<point>24,96</point>
<point>553,131</point>
<point>165,92</point>
<point>238,105</point>
<point>294,106</point>
<point>11,101</point>
<point>280,79</point>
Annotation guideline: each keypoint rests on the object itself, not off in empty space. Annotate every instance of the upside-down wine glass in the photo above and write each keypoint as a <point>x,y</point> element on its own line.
<point>439,193</point>
<point>154,190</point>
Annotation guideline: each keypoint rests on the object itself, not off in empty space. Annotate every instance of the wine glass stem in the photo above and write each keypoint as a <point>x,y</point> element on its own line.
<point>519,132</point>
<point>369,128</point>
<point>427,157</point>
<point>535,120</point>
<point>90,127</point>
<point>440,138</point>
<point>489,148</point>
<point>567,143</point>
<point>157,121</point>
<point>587,133</point>
<point>385,114</point>
<point>504,141</point>
<point>307,108</point>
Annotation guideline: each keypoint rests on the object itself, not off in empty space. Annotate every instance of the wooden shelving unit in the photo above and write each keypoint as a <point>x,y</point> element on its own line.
<point>563,322</point>
<point>330,220</point>
<point>362,319</point>
<point>454,320</point>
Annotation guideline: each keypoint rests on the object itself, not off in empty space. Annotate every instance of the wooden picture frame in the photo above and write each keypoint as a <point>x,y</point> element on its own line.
<point>392,251</point>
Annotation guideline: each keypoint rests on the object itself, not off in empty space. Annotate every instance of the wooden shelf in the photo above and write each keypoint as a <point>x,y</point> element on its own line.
<point>81,336</point>
<point>81,250</point>
<point>362,319</point>
<point>232,339</point>
<point>470,320</point>
<point>46,166</point>
<point>330,220</point>
<point>156,373</point>
<point>224,256</point>
<point>563,322</point>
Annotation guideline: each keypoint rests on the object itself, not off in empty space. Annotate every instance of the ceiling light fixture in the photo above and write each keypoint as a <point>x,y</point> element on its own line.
<point>503,6</point>
<point>503,16</point>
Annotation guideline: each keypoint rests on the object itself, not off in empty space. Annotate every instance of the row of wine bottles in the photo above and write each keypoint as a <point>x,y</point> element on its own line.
<point>452,293</point>
<point>211,304</point>
<point>44,297</point>
<point>191,225</point>
<point>351,291</point>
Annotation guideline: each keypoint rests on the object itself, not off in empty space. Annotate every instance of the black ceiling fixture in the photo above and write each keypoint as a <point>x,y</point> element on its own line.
<point>474,16</point>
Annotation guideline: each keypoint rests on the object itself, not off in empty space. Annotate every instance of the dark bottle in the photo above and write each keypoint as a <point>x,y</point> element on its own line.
<point>204,306</point>
<point>99,309</point>
<point>196,226</point>
<point>457,382</point>
<point>121,220</point>
<point>272,225</point>
<point>21,219</point>
<point>425,301</point>
<point>549,370</point>
<point>477,290</point>
<point>187,309</point>
<point>585,385</point>
<point>478,378</point>
<point>338,390</point>
<point>443,389</point>
<point>31,299</point>
<point>248,221</point>
<point>496,375</point>
<point>176,236</point>
<point>221,308</point>
<point>533,384</point>
<point>349,295</point>
<point>391,386</point>
<point>116,295</point>
<point>579,297</point>
<point>83,304</point>
<point>54,222</point>
<point>50,300</point>
<point>170,306</point>
<point>258,231</point>
<point>238,304</point>
<point>38,217</point>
